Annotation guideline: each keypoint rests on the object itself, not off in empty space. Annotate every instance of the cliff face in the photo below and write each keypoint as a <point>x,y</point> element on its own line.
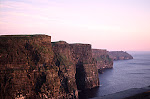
<point>67,69</point>
<point>119,55</point>
<point>86,71</point>
<point>79,56</point>
<point>103,59</point>
<point>28,69</point>
<point>32,67</point>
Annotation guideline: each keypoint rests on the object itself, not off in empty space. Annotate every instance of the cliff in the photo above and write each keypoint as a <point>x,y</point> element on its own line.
<point>86,71</point>
<point>79,56</point>
<point>67,69</point>
<point>119,55</point>
<point>103,59</point>
<point>28,69</point>
<point>33,67</point>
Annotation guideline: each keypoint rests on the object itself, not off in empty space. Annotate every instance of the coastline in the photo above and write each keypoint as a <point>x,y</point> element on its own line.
<point>133,93</point>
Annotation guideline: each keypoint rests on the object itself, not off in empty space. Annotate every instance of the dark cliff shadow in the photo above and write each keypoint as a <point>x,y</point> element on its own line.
<point>89,93</point>
<point>80,76</point>
<point>40,80</point>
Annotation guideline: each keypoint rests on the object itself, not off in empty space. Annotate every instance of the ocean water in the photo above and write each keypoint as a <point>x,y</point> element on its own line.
<point>126,74</point>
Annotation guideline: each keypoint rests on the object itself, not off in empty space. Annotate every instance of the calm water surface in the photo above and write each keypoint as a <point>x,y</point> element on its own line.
<point>126,74</point>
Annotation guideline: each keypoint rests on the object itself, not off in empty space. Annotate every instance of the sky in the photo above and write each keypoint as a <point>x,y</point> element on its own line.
<point>106,24</point>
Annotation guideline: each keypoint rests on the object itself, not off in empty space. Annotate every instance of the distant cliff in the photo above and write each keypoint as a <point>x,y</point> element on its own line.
<point>103,59</point>
<point>33,67</point>
<point>119,55</point>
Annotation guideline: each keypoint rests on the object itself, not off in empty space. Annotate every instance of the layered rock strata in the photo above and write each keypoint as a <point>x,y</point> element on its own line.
<point>80,58</point>
<point>29,69</point>
<point>86,71</point>
<point>119,55</point>
<point>32,67</point>
<point>67,69</point>
<point>103,59</point>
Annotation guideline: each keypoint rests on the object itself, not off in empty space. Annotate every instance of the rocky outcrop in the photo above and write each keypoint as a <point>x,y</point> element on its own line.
<point>32,67</point>
<point>86,71</point>
<point>119,55</point>
<point>103,59</point>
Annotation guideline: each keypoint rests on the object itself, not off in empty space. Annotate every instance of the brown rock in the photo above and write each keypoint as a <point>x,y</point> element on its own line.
<point>86,71</point>
<point>103,59</point>
<point>28,70</point>
<point>67,69</point>
<point>32,67</point>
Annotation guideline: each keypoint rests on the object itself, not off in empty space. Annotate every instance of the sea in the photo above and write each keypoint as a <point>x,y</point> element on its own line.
<point>126,74</point>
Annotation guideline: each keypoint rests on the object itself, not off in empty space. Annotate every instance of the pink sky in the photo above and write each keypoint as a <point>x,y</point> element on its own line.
<point>106,24</point>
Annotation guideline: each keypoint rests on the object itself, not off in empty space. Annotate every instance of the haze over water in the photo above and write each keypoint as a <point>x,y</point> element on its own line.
<point>126,74</point>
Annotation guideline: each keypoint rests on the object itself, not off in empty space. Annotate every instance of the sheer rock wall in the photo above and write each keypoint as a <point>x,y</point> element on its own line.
<point>28,69</point>
<point>33,67</point>
<point>86,71</point>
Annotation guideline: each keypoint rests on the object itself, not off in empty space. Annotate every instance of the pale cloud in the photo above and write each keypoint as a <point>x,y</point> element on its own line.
<point>14,5</point>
